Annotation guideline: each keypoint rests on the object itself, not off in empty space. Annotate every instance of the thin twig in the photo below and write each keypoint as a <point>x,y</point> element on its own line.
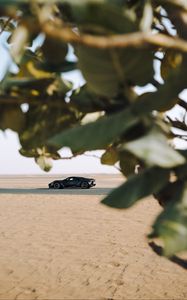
<point>182,103</point>
<point>5,25</point>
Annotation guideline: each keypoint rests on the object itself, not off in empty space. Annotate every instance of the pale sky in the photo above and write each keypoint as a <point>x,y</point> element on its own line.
<point>11,162</point>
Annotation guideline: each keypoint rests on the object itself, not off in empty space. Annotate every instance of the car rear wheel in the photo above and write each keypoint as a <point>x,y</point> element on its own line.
<point>57,185</point>
<point>84,185</point>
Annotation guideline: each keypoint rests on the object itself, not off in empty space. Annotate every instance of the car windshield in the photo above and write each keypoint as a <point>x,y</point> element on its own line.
<point>70,178</point>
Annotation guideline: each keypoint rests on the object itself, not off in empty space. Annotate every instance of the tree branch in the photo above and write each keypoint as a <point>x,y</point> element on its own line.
<point>5,25</point>
<point>182,103</point>
<point>136,39</point>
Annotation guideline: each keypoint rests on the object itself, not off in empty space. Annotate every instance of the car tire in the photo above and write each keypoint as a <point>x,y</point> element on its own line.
<point>57,185</point>
<point>84,185</point>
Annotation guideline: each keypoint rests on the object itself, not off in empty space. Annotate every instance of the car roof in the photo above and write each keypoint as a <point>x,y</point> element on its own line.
<point>79,177</point>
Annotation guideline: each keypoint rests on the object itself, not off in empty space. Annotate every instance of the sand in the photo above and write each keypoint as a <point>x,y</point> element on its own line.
<point>66,245</point>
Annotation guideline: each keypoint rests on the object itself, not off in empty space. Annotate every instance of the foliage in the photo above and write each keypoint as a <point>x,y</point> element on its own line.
<point>117,44</point>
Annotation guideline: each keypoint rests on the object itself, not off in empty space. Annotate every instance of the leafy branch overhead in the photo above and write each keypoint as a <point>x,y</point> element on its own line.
<point>119,47</point>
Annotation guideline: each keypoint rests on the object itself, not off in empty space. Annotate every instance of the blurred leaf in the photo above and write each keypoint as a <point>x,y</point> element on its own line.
<point>181,171</point>
<point>22,84</point>
<point>101,133</point>
<point>137,187</point>
<point>13,118</point>
<point>127,163</point>
<point>30,66</point>
<point>38,129</point>
<point>28,153</point>
<point>166,194</point>
<point>45,163</point>
<point>102,16</point>
<point>65,66</point>
<point>110,157</point>
<point>59,87</point>
<point>171,224</point>
<point>171,60</point>
<point>51,153</point>
<point>91,117</point>
<point>166,94</point>
<point>54,51</point>
<point>19,41</point>
<point>86,102</point>
<point>37,73</point>
<point>108,72</point>
<point>153,148</point>
<point>95,135</point>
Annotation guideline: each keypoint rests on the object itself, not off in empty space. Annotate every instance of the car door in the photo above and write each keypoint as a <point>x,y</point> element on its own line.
<point>71,182</point>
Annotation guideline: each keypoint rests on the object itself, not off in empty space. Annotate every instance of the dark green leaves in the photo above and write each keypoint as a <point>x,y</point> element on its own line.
<point>137,187</point>
<point>12,117</point>
<point>54,52</point>
<point>100,17</point>
<point>95,135</point>
<point>108,72</point>
<point>171,225</point>
<point>110,156</point>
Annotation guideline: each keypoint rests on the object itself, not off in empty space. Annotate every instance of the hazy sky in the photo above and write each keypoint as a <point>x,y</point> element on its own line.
<point>11,162</point>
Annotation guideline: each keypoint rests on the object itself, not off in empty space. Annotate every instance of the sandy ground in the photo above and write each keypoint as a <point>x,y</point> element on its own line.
<point>66,245</point>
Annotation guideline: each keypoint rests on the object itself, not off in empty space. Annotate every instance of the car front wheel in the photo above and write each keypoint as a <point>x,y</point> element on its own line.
<point>84,185</point>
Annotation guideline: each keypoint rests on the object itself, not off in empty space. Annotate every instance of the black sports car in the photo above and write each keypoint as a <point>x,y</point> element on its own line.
<point>71,182</point>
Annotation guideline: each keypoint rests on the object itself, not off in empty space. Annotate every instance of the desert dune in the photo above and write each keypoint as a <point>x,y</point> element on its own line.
<point>64,244</point>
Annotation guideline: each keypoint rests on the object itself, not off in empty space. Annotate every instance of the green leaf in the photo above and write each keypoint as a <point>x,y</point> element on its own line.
<point>111,70</point>
<point>171,224</point>
<point>54,51</point>
<point>36,152</point>
<point>101,16</point>
<point>38,129</point>
<point>27,83</point>
<point>110,157</point>
<point>12,117</point>
<point>95,135</point>
<point>44,162</point>
<point>65,66</point>
<point>171,60</point>
<point>153,148</point>
<point>127,163</point>
<point>166,94</point>
<point>137,187</point>
<point>101,133</point>
<point>86,101</point>
<point>108,72</point>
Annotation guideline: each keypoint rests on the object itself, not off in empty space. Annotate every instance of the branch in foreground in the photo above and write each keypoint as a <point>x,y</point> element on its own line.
<point>182,103</point>
<point>177,124</point>
<point>136,39</point>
